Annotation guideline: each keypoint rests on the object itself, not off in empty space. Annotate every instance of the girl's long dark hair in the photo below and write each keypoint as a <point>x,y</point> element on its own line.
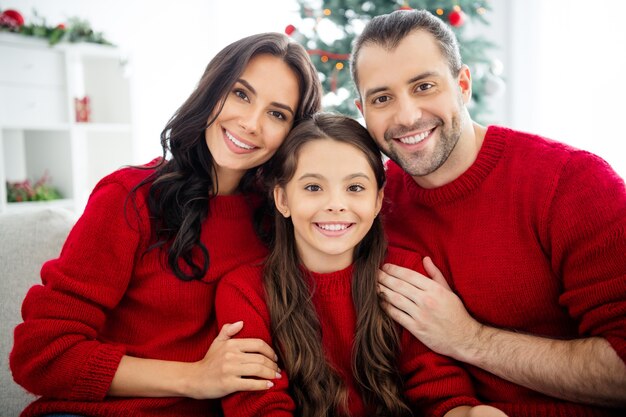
<point>181,187</point>
<point>316,387</point>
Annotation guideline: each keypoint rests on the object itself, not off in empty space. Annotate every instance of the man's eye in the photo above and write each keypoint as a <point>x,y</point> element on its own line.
<point>424,87</point>
<point>381,99</point>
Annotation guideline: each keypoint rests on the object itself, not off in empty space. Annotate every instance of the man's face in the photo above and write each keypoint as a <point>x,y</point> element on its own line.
<point>412,104</point>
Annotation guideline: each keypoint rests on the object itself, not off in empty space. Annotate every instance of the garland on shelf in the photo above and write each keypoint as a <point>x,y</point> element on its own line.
<point>76,29</point>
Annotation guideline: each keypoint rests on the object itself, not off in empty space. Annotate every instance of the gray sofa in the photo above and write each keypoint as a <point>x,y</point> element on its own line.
<point>27,239</point>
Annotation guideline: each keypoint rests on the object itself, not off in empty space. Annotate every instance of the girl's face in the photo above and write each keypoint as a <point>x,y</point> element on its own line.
<point>332,200</point>
<point>257,115</point>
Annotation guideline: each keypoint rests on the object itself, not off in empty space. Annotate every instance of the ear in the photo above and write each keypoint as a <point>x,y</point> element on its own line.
<point>465,83</point>
<point>280,200</point>
<point>359,105</point>
<point>379,200</point>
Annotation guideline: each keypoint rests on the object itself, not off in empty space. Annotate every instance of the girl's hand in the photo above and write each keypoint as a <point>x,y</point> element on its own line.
<point>232,365</point>
<point>476,411</point>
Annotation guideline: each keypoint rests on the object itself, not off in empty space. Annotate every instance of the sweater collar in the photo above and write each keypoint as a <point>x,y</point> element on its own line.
<point>331,283</point>
<point>231,206</point>
<point>488,157</point>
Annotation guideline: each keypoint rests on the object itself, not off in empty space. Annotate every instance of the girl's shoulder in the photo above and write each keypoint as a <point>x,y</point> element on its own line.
<point>405,258</point>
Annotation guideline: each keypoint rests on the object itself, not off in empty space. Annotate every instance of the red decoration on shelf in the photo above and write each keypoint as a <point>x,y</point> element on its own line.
<point>290,29</point>
<point>405,6</point>
<point>12,19</point>
<point>456,18</point>
<point>83,109</point>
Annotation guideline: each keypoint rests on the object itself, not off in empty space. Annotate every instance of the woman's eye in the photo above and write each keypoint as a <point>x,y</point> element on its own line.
<point>241,94</point>
<point>278,115</point>
<point>356,188</point>
<point>313,187</point>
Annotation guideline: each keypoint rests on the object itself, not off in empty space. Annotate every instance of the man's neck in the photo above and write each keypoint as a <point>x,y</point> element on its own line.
<point>460,160</point>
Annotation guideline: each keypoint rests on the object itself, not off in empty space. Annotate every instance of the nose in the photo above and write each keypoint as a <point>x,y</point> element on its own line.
<point>251,120</point>
<point>335,203</point>
<point>407,111</point>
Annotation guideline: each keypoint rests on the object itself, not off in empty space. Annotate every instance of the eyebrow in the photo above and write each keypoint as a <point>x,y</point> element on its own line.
<point>273,103</point>
<point>321,177</point>
<point>418,77</point>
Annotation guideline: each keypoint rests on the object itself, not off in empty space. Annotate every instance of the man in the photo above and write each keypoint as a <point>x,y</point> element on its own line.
<point>530,233</point>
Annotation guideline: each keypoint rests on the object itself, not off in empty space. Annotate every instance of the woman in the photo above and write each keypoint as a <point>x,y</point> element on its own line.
<point>316,296</point>
<point>123,323</point>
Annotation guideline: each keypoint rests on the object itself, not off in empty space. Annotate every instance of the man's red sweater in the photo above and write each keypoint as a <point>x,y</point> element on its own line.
<point>532,237</point>
<point>106,296</point>
<point>433,383</point>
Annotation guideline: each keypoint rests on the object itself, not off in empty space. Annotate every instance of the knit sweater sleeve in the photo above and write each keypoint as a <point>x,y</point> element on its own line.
<point>586,231</point>
<point>434,383</point>
<point>57,351</point>
<point>240,296</point>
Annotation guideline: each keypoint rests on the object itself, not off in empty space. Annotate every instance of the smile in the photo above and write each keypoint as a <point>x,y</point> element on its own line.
<point>412,140</point>
<point>237,142</point>
<point>333,227</point>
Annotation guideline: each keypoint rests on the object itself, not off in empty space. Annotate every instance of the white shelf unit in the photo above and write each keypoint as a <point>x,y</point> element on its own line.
<point>39,133</point>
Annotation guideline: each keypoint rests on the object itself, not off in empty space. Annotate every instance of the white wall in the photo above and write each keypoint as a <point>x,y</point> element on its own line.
<point>169,43</point>
<point>563,59</point>
<point>566,74</point>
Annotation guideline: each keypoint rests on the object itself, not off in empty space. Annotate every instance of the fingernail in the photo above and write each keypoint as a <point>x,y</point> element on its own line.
<point>278,375</point>
<point>270,384</point>
<point>275,358</point>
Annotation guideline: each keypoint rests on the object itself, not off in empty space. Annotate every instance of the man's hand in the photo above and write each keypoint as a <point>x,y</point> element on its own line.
<point>428,308</point>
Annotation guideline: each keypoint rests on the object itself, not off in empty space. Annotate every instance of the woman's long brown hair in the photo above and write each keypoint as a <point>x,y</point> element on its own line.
<point>181,187</point>
<point>315,386</point>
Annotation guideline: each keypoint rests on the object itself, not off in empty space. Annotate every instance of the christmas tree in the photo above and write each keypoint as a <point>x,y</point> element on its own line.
<point>329,27</point>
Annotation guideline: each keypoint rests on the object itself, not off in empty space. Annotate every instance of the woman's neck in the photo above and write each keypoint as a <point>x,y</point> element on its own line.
<point>227,180</point>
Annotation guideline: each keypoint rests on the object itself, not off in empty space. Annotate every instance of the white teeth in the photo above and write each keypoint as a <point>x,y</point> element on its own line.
<point>333,227</point>
<point>238,142</point>
<point>412,140</point>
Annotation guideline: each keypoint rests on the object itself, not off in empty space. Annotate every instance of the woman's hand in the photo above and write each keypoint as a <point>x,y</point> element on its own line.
<point>232,365</point>
<point>229,365</point>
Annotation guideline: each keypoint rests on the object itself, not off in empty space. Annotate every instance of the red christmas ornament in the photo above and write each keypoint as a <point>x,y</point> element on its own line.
<point>12,18</point>
<point>405,6</point>
<point>456,18</point>
<point>290,29</point>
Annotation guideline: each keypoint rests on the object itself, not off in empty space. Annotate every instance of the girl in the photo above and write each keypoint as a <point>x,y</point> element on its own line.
<point>316,299</point>
<point>123,323</point>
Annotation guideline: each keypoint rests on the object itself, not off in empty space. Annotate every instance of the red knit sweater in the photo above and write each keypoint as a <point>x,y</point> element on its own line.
<point>434,383</point>
<point>105,297</point>
<point>532,237</point>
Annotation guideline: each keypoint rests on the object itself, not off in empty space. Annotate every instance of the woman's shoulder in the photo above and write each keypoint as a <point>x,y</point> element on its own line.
<point>131,176</point>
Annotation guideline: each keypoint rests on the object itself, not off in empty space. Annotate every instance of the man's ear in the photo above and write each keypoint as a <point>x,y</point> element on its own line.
<point>359,105</point>
<point>280,200</point>
<point>465,83</point>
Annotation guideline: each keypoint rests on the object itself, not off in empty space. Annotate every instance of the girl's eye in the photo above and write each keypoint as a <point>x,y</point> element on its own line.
<point>355,188</point>
<point>278,115</point>
<point>380,99</point>
<point>242,95</point>
<point>313,187</point>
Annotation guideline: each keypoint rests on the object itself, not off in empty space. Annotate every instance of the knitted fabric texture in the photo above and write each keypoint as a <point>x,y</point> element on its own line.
<point>107,296</point>
<point>532,238</point>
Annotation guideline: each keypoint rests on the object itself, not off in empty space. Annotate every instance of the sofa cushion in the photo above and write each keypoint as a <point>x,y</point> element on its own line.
<point>27,240</point>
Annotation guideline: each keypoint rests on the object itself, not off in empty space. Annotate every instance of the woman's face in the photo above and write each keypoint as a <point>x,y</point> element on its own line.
<point>332,199</point>
<point>257,115</point>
